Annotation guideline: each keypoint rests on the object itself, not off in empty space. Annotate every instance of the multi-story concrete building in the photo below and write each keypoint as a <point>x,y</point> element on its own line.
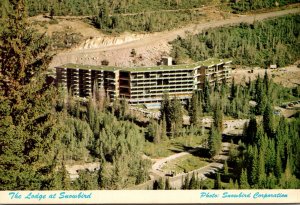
<point>143,85</point>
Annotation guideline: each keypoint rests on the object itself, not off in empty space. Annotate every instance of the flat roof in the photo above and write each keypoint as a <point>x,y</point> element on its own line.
<point>207,63</point>
<point>89,67</point>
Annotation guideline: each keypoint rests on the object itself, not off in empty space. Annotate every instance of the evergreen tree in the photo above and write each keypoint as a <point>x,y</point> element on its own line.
<point>217,184</point>
<point>225,168</point>
<point>278,165</point>
<point>218,117</point>
<point>195,111</point>
<point>165,111</point>
<point>193,182</point>
<point>268,121</point>
<point>244,180</point>
<point>214,142</point>
<point>163,126</point>
<point>260,96</point>
<point>176,117</point>
<point>206,97</point>
<point>231,184</point>
<point>250,131</point>
<point>266,83</point>
<point>28,131</point>
<point>167,184</point>
<point>254,168</point>
<point>261,169</point>
<point>233,89</point>
<point>158,185</point>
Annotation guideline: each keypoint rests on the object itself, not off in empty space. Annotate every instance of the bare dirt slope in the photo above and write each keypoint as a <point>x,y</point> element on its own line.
<point>150,47</point>
<point>288,76</point>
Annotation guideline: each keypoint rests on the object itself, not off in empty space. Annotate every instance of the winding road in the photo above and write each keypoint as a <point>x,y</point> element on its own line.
<point>152,46</point>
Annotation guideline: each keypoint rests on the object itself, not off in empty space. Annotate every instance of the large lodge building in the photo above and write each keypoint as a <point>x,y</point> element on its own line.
<point>143,85</point>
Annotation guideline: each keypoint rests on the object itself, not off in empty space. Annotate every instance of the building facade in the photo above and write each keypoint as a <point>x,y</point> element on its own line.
<point>143,85</point>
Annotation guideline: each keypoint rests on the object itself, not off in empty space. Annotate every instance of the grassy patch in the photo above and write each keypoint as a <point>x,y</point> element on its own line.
<point>185,164</point>
<point>172,146</point>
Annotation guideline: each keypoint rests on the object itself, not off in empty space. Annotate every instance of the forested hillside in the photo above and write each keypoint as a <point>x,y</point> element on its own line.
<point>92,7</point>
<point>265,156</point>
<point>248,5</point>
<point>41,130</point>
<point>274,41</point>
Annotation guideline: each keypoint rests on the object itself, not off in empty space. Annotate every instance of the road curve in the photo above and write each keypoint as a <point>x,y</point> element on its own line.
<point>194,29</point>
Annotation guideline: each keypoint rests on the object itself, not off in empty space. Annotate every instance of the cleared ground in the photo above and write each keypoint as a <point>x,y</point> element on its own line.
<point>185,164</point>
<point>169,147</point>
<point>150,47</point>
<point>288,76</point>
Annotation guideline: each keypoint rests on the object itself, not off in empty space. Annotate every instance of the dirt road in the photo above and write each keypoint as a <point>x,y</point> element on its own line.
<point>151,46</point>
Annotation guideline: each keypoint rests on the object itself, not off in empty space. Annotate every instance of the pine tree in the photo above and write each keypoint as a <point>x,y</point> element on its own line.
<point>217,184</point>
<point>167,184</point>
<point>261,169</point>
<point>165,111</point>
<point>250,131</point>
<point>206,97</point>
<point>163,126</point>
<point>260,97</point>
<point>218,117</point>
<point>28,136</point>
<point>233,89</point>
<point>158,185</point>
<point>225,168</point>
<point>214,142</point>
<point>176,117</point>
<point>268,121</point>
<point>266,83</point>
<point>278,165</point>
<point>254,168</point>
<point>231,184</point>
<point>195,110</point>
<point>193,182</point>
<point>244,180</point>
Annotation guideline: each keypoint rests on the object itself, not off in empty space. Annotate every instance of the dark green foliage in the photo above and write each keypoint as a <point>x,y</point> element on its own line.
<point>247,5</point>
<point>244,180</point>
<point>225,168</point>
<point>62,180</point>
<point>218,117</point>
<point>250,131</point>
<point>196,110</point>
<point>264,43</point>
<point>214,141</point>
<point>86,181</point>
<point>268,120</point>
<point>28,131</point>
<point>260,96</point>
<point>91,7</point>
<point>272,160</point>
<point>158,185</point>
<point>171,110</point>
<point>206,97</point>
<point>167,184</point>
<point>218,184</point>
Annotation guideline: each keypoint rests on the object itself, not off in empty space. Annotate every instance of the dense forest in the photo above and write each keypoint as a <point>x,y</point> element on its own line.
<point>92,7</point>
<point>274,41</point>
<point>43,128</point>
<point>145,22</point>
<point>247,5</point>
<point>265,156</point>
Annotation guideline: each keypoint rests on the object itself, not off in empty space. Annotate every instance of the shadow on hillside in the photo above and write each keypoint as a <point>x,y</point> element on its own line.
<point>199,151</point>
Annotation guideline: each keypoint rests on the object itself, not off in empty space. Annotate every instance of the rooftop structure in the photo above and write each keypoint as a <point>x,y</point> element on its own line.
<point>143,85</point>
